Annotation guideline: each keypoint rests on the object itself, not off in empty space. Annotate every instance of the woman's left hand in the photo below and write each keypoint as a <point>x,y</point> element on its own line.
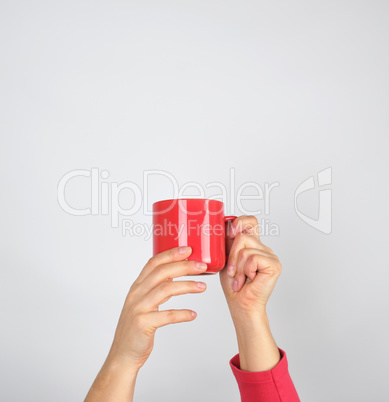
<point>248,280</point>
<point>252,268</point>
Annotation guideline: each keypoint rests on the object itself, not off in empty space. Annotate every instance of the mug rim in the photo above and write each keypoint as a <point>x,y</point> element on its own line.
<point>188,199</point>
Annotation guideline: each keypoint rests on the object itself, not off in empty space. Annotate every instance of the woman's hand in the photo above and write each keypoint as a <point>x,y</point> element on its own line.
<point>140,318</point>
<point>252,268</point>
<point>248,280</point>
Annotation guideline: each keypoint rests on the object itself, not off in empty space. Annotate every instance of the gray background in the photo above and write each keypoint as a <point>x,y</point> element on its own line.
<point>277,90</point>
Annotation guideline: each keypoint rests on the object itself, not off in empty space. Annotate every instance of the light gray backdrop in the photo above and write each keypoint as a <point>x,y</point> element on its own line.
<point>276,90</point>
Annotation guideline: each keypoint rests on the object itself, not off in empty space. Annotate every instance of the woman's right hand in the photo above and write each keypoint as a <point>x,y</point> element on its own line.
<point>140,317</point>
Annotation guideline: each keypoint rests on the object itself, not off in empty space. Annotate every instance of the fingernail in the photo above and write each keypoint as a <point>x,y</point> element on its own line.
<point>235,285</point>
<point>194,314</point>
<point>201,266</point>
<point>201,285</point>
<point>230,270</point>
<point>183,249</point>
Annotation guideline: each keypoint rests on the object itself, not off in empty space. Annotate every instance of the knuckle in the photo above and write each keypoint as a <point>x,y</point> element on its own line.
<point>252,223</point>
<point>172,252</point>
<point>172,316</point>
<point>162,271</point>
<point>253,219</point>
<point>243,252</point>
<point>165,287</point>
<point>190,265</point>
<point>254,258</point>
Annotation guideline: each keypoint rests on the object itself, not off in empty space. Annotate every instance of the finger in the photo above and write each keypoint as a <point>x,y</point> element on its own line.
<point>241,266</point>
<point>242,240</point>
<point>243,269</point>
<point>162,318</point>
<point>246,253</point>
<point>256,264</point>
<point>166,290</point>
<point>246,224</point>
<point>166,272</point>
<point>174,254</point>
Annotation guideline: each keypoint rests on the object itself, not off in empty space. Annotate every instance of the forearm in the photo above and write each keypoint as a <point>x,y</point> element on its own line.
<point>114,383</point>
<point>258,350</point>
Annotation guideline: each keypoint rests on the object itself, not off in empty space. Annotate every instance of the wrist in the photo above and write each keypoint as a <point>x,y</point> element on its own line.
<point>249,317</point>
<point>257,348</point>
<point>121,366</point>
<point>115,381</point>
<point>251,326</point>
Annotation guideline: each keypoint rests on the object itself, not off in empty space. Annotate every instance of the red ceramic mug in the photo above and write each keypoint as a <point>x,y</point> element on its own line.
<point>198,223</point>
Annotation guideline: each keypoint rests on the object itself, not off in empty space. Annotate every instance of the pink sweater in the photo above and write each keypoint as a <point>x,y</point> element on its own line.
<point>265,386</point>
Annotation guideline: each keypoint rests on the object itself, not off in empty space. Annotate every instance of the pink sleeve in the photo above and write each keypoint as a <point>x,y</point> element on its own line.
<point>265,386</point>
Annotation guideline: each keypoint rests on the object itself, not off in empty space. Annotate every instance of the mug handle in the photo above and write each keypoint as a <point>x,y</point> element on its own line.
<point>228,220</point>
